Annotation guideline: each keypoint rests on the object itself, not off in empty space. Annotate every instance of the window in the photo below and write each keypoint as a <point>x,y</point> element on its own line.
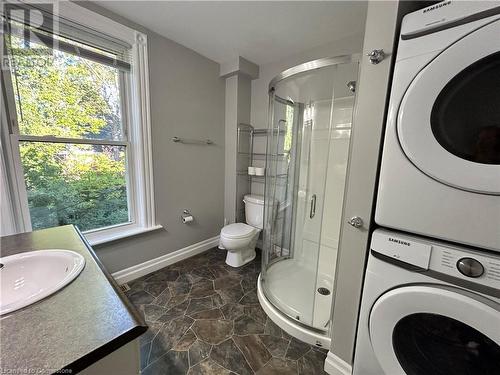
<point>79,131</point>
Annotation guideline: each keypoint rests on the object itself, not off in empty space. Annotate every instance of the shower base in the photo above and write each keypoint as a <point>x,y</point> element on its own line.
<point>291,284</point>
<point>290,326</point>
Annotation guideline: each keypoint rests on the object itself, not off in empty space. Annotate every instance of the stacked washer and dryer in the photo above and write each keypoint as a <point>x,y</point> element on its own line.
<point>431,297</point>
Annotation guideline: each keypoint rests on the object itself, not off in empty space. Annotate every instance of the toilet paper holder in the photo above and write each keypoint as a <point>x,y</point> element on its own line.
<point>186,217</point>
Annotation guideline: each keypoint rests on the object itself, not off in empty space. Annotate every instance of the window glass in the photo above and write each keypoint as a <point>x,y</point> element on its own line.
<point>64,95</point>
<point>78,121</point>
<point>78,179</point>
<point>84,185</point>
<point>435,344</point>
<point>465,118</point>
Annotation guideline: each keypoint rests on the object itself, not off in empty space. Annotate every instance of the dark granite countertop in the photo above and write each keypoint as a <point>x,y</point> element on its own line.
<point>73,328</point>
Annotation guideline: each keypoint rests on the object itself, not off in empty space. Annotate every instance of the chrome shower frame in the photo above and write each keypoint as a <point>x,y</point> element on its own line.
<point>312,65</point>
<point>288,73</point>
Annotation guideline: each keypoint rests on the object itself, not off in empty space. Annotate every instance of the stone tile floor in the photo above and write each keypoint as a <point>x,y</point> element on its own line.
<point>204,318</point>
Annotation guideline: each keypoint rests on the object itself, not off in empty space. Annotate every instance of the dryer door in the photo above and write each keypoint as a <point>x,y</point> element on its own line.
<point>449,118</point>
<point>422,330</point>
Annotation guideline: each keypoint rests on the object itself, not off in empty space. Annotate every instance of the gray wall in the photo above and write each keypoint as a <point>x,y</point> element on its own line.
<point>187,100</point>
<point>238,88</point>
<point>231,120</point>
<point>242,161</point>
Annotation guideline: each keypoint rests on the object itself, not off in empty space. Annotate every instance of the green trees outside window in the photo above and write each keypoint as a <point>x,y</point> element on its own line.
<point>65,96</point>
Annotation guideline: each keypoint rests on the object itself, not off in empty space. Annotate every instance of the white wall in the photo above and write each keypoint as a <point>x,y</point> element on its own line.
<point>333,199</point>
<point>187,100</point>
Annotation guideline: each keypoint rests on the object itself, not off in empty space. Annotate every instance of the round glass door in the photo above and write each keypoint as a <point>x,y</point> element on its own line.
<point>297,162</point>
<point>435,344</point>
<point>449,119</point>
<point>310,119</point>
<point>421,330</point>
<point>465,118</point>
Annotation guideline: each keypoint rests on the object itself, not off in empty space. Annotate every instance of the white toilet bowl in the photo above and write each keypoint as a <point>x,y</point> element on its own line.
<point>239,239</point>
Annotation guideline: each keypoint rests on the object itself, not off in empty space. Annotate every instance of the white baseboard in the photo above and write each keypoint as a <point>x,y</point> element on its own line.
<point>134,272</point>
<point>336,366</point>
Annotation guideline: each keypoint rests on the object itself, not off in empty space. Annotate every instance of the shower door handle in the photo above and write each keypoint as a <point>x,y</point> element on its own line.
<point>312,212</point>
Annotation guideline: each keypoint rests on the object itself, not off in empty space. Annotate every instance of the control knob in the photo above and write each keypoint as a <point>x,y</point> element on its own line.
<point>470,267</point>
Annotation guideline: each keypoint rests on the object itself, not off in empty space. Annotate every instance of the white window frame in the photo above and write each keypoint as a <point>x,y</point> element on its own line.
<point>137,125</point>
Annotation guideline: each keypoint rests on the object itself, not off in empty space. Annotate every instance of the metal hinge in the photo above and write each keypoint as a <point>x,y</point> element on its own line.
<point>376,56</point>
<point>355,221</point>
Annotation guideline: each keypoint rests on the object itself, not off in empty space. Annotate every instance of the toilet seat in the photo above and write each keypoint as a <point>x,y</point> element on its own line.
<point>237,231</point>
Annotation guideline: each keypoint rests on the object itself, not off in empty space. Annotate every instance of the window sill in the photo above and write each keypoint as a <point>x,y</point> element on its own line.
<point>100,238</point>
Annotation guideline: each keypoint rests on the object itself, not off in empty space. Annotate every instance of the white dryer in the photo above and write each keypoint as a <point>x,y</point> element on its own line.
<point>440,172</point>
<point>428,308</point>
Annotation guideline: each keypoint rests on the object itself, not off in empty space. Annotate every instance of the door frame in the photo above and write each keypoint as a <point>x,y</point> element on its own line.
<point>381,32</point>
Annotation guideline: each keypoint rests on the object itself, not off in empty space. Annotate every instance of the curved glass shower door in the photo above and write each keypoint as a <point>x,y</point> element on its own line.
<point>308,111</point>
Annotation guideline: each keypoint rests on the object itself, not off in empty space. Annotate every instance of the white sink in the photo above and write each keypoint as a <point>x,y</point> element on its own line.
<point>26,278</point>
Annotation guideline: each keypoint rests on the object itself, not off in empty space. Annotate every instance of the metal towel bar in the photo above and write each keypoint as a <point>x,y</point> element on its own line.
<point>192,141</point>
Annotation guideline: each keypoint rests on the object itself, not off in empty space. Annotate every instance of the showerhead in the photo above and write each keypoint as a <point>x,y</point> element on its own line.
<point>351,85</point>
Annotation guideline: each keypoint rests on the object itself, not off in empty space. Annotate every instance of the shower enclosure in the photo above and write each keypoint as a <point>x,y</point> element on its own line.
<point>310,116</point>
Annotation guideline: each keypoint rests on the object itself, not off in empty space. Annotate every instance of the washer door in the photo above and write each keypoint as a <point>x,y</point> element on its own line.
<point>423,330</point>
<point>449,118</point>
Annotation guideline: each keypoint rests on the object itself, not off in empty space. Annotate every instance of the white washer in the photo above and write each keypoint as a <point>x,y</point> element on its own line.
<point>440,172</point>
<point>428,308</point>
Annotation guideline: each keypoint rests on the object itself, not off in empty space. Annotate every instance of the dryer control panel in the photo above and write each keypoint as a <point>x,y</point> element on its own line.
<point>445,14</point>
<point>459,262</point>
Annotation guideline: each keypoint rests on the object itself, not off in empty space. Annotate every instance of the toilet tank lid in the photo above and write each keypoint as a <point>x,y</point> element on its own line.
<point>253,198</point>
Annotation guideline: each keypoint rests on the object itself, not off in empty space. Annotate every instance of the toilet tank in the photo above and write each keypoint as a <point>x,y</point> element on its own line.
<point>254,210</point>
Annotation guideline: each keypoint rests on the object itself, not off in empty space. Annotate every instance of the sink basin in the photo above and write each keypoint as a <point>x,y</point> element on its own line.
<point>26,278</point>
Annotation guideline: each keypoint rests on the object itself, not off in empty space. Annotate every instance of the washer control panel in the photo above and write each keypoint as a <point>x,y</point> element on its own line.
<point>460,262</point>
<point>402,249</point>
<point>470,267</point>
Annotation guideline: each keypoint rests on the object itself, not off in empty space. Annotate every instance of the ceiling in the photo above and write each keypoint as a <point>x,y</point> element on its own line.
<point>260,31</point>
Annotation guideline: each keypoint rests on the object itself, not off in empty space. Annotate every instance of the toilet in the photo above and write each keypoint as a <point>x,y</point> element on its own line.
<point>239,239</point>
